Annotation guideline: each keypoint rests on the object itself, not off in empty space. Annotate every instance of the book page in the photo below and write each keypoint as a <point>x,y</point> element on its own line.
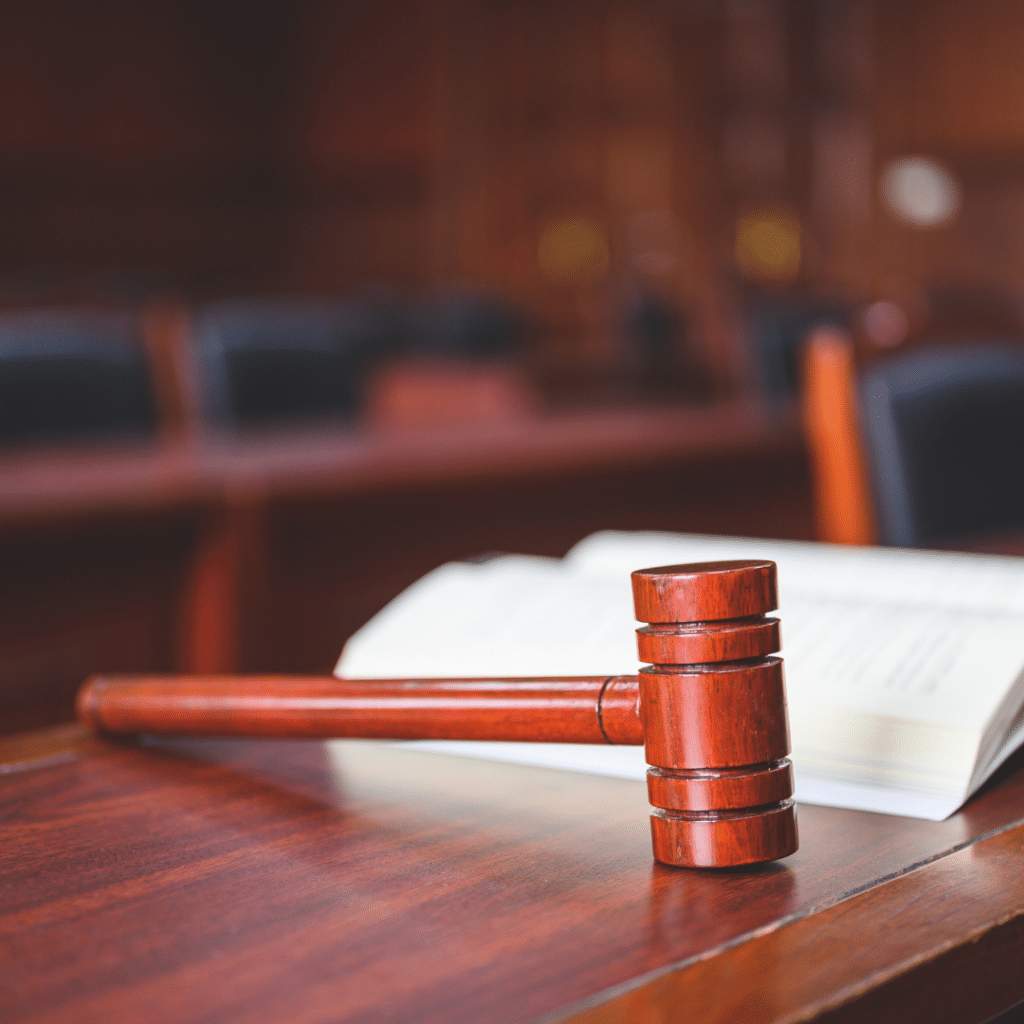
<point>889,693</point>
<point>512,616</point>
<point>923,635</point>
<point>628,763</point>
<point>924,664</point>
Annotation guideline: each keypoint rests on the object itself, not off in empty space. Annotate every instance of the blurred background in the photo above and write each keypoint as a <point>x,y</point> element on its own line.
<point>301,299</point>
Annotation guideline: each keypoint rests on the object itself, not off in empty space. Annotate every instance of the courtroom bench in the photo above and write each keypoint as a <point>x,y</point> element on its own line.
<point>264,551</point>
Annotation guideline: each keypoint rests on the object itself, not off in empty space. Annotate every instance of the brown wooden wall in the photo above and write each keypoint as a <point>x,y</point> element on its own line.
<point>313,146</point>
<point>951,83</point>
<point>571,154</point>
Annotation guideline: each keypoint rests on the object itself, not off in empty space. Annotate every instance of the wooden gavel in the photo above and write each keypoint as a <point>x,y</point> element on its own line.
<point>709,709</point>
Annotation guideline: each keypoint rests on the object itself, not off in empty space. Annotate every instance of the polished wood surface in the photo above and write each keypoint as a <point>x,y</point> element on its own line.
<point>716,729</point>
<point>684,643</point>
<point>277,882</point>
<point>942,943</point>
<point>705,591</point>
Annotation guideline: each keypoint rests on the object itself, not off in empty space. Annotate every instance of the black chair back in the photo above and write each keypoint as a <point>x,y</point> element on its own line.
<point>466,325</point>
<point>775,328</point>
<point>944,432</point>
<point>268,361</point>
<point>73,375</point>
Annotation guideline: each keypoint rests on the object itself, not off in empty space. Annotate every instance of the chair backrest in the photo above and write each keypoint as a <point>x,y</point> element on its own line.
<point>465,325</point>
<point>266,361</point>
<point>776,328</point>
<point>844,512</point>
<point>944,432</point>
<point>69,375</point>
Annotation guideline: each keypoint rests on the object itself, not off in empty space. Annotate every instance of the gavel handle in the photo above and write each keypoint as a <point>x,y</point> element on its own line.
<point>585,709</point>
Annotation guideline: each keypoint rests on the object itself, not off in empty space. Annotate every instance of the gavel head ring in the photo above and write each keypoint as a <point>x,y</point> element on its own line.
<point>713,708</point>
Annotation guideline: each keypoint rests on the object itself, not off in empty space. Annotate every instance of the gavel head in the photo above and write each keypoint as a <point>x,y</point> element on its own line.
<point>713,707</point>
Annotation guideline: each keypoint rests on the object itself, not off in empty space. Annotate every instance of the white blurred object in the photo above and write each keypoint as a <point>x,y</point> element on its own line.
<point>920,191</point>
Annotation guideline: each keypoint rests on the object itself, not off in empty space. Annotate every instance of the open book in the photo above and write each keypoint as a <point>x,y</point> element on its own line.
<point>904,669</point>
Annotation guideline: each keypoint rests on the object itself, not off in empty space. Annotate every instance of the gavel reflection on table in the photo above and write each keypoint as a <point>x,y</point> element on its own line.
<point>709,709</point>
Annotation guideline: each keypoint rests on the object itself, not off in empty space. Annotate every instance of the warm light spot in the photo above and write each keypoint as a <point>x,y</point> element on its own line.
<point>920,192</point>
<point>768,246</point>
<point>573,249</point>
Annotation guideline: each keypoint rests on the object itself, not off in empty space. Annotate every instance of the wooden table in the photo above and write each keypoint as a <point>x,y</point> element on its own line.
<point>245,467</point>
<point>217,881</point>
<point>264,551</point>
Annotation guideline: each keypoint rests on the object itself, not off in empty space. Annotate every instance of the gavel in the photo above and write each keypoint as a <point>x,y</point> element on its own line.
<point>709,709</point>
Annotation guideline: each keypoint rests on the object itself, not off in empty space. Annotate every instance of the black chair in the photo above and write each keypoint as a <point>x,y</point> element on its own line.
<point>73,375</point>
<point>944,436</point>
<point>268,361</point>
<point>466,325</point>
<point>775,327</point>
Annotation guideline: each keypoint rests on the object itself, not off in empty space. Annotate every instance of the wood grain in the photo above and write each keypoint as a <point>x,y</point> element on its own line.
<point>675,643</point>
<point>931,945</point>
<point>705,591</point>
<point>685,708</point>
<point>281,883</point>
<point>540,710</point>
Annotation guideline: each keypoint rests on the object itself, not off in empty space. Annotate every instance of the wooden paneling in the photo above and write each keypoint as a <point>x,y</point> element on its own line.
<point>312,146</point>
<point>75,597</point>
<point>415,142</point>
<point>382,543</point>
<point>316,146</point>
<point>138,143</point>
<point>948,84</point>
<point>951,77</point>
